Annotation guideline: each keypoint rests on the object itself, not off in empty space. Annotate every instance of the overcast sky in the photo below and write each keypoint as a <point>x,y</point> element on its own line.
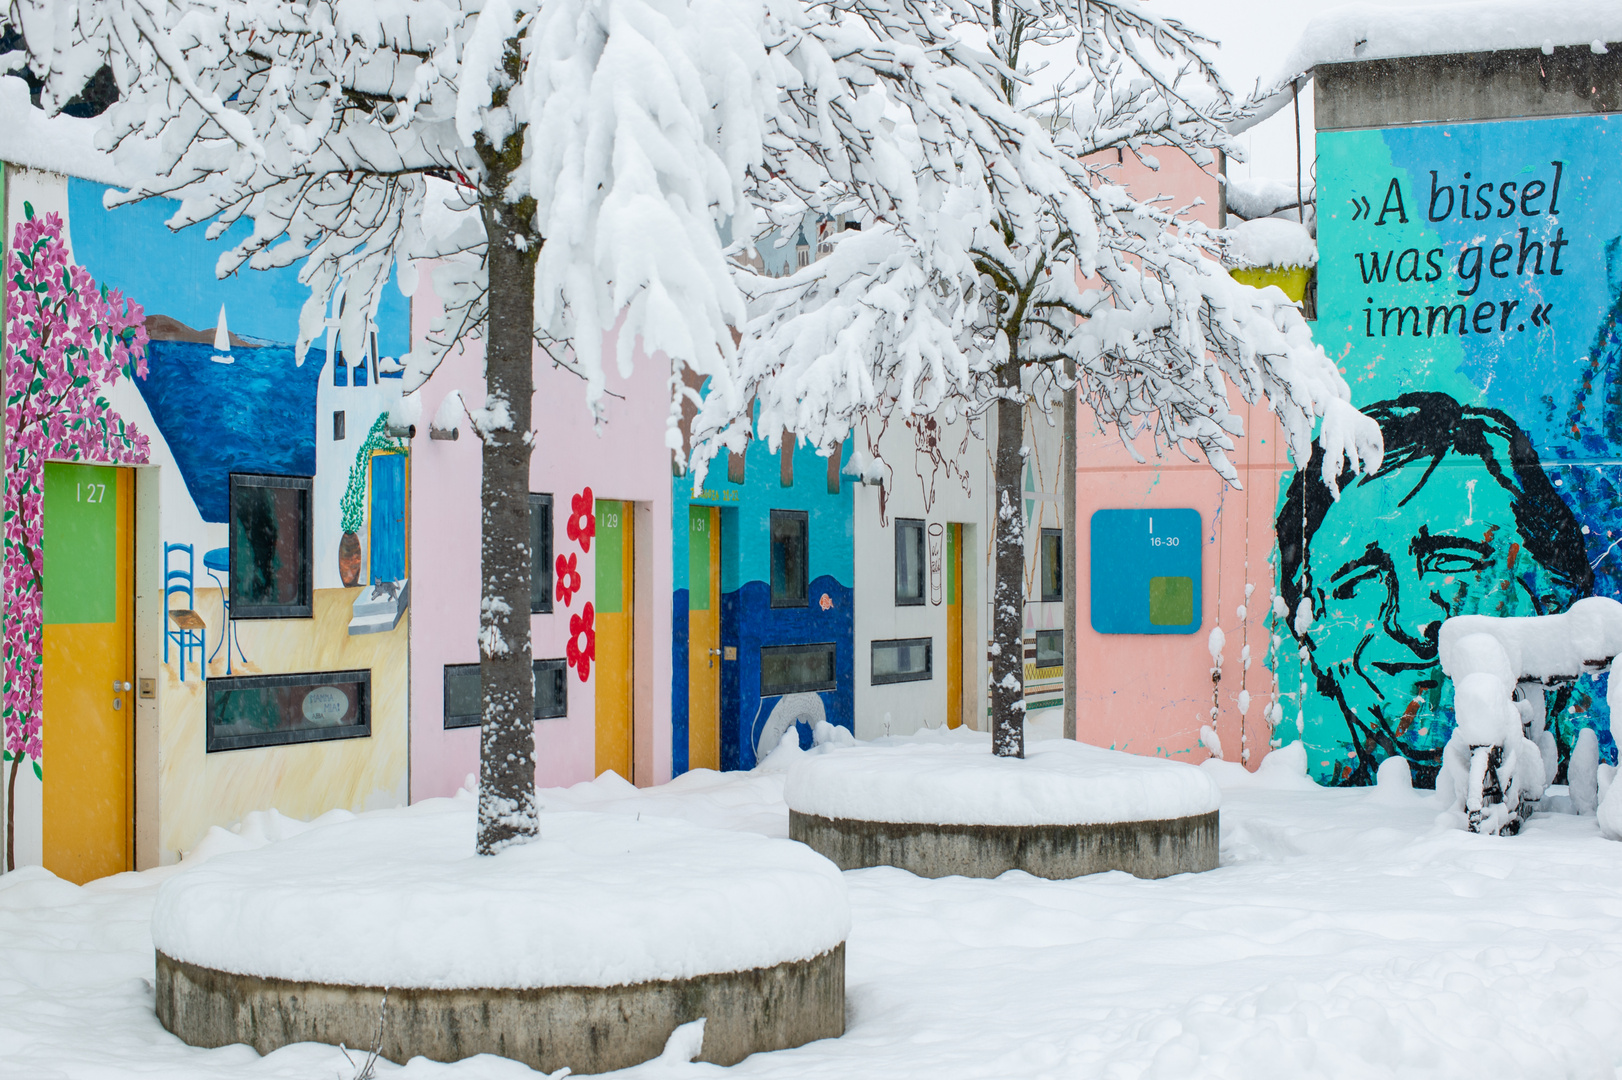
<point>1256,36</point>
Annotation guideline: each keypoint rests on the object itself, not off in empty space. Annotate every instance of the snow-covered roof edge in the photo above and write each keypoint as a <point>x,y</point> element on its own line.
<point>60,144</point>
<point>1368,31</point>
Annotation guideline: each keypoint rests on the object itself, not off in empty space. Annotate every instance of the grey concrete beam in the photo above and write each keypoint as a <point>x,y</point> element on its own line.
<point>1505,85</point>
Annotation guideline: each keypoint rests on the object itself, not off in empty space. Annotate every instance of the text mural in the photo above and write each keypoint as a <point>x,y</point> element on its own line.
<point>1469,288</point>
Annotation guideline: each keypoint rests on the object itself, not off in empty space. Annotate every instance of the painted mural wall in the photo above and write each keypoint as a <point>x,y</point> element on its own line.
<point>729,553</point>
<point>1471,287</point>
<point>609,570</point>
<point>224,393</point>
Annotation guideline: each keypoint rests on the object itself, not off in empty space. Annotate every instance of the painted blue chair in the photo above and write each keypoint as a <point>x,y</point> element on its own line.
<point>188,629</point>
<point>218,562</point>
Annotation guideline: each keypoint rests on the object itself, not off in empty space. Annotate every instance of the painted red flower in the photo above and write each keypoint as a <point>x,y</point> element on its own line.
<point>568,579</point>
<point>581,655</point>
<point>582,519</point>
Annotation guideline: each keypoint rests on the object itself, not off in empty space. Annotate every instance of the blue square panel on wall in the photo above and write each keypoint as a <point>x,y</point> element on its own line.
<point>1146,571</point>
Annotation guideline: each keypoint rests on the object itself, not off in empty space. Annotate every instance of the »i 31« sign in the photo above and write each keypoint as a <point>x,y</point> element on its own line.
<point>1146,571</point>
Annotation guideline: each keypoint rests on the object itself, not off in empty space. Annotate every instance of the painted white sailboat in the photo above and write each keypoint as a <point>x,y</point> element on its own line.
<point>222,341</point>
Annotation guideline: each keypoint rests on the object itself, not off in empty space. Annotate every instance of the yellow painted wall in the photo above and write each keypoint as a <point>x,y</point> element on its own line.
<point>198,789</point>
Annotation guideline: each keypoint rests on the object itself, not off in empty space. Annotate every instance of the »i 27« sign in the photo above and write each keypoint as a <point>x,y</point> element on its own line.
<point>1146,571</point>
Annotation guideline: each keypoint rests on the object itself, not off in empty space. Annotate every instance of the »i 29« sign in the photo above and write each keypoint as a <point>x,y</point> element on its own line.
<point>1146,571</point>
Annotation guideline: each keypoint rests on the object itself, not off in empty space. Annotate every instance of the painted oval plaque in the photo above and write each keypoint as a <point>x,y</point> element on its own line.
<point>325,706</point>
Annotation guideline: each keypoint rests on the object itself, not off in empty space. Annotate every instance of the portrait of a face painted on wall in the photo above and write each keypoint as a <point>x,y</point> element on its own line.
<point>1460,519</point>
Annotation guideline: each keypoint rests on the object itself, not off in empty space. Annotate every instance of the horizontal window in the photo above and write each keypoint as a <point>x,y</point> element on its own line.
<point>271,710</point>
<point>1049,648</point>
<point>464,693</point>
<point>796,669</point>
<point>903,660</point>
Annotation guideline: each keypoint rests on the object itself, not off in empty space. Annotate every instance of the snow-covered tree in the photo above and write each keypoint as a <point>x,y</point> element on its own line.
<point>606,145</point>
<point>1015,253</point>
<point>602,143</point>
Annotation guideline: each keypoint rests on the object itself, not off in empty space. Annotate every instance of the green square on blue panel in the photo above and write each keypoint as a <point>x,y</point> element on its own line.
<point>1171,601</point>
<point>1145,571</point>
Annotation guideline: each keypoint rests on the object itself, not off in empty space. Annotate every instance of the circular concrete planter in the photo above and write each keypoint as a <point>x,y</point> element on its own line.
<point>583,949</point>
<point>1146,849</point>
<point>590,1029</point>
<point>942,808</point>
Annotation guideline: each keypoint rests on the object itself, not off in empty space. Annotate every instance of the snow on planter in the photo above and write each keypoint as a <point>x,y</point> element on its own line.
<point>961,782</point>
<point>399,899</point>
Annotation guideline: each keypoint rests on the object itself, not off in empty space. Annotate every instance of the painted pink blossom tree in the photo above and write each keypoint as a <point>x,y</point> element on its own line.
<point>65,340</point>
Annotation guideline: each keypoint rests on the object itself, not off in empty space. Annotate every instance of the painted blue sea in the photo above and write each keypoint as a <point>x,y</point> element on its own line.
<point>254,415</point>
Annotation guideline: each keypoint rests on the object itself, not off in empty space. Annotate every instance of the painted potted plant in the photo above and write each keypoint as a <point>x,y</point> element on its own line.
<point>351,506</point>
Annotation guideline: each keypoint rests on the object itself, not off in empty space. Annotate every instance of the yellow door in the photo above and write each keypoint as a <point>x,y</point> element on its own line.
<point>89,746</point>
<point>704,637</point>
<point>616,554</point>
<point>954,624</point>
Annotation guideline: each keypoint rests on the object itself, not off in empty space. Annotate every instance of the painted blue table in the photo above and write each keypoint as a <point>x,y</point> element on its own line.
<point>217,562</point>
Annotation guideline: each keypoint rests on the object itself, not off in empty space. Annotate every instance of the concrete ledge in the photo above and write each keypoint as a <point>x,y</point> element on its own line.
<point>1458,87</point>
<point>1146,849</point>
<point>590,1029</point>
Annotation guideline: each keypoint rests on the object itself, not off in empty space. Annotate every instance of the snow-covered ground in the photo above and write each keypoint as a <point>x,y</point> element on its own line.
<point>1347,934</point>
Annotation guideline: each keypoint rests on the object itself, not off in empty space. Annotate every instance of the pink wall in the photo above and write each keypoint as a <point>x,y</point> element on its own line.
<point>625,459</point>
<point>1150,694</point>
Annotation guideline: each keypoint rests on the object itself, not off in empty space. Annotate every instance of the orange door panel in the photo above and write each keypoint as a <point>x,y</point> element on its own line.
<point>88,820</point>
<point>704,638</point>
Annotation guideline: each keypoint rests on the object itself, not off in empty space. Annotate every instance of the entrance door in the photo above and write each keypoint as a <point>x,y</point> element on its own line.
<point>704,637</point>
<point>954,624</point>
<point>89,744</point>
<point>616,557</point>
<point>388,517</point>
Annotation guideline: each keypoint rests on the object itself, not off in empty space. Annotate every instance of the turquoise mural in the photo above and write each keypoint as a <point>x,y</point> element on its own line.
<point>1470,286</point>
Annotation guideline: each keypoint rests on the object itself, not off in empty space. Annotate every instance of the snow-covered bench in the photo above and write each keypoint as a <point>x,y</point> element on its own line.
<point>1501,756</point>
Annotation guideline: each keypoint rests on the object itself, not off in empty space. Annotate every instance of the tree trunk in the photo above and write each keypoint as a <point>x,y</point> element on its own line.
<point>508,813</point>
<point>1072,544</point>
<point>1008,589</point>
<point>11,815</point>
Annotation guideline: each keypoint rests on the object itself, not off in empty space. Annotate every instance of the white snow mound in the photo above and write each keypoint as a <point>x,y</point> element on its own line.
<point>1374,31</point>
<point>1272,242</point>
<point>960,782</point>
<point>398,898</point>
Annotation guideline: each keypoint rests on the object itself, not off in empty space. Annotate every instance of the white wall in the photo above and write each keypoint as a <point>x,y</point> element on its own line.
<point>947,484</point>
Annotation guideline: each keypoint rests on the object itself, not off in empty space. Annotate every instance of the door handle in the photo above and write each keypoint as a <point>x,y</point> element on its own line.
<point>713,654</point>
<point>122,687</point>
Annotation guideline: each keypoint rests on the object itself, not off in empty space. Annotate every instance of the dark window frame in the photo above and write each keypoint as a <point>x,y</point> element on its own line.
<point>903,526</point>
<point>799,688</point>
<point>539,561</point>
<point>242,609</point>
<point>553,665</point>
<point>804,519</point>
<point>462,720</point>
<point>1042,565</point>
<point>560,668</point>
<point>1036,648</point>
<point>927,675</point>
<point>221,683</point>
